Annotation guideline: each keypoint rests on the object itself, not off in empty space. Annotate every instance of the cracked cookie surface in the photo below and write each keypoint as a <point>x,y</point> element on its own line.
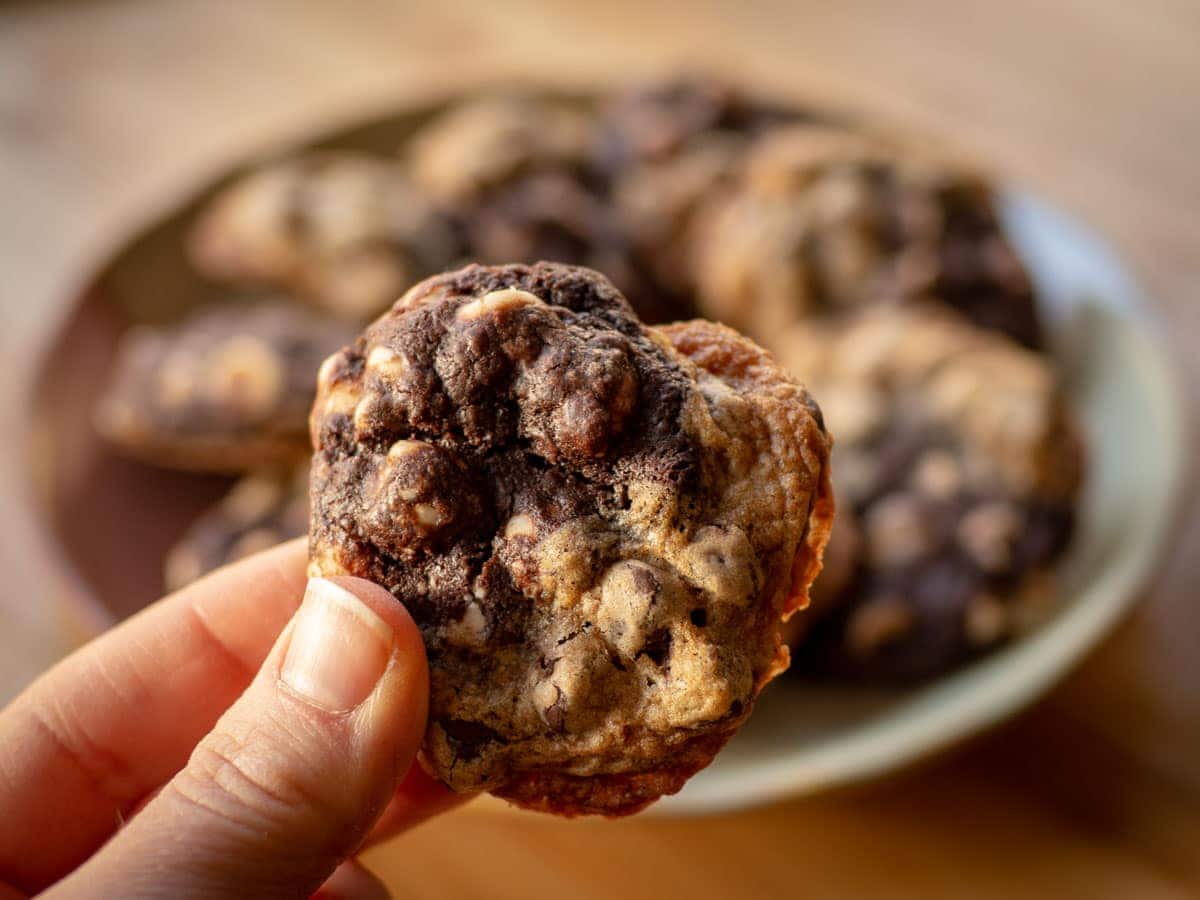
<point>599,526</point>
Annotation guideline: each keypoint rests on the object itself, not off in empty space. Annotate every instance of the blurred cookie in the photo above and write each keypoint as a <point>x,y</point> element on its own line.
<point>516,175</point>
<point>261,510</point>
<point>347,231</point>
<point>652,122</point>
<point>825,221</point>
<point>484,145</point>
<point>957,467</point>
<point>597,525</point>
<point>657,201</point>
<point>227,389</point>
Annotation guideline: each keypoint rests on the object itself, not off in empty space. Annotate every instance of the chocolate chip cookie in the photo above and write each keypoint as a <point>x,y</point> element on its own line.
<point>598,526</point>
<point>824,221</point>
<point>657,201</point>
<point>957,471</point>
<point>484,145</point>
<point>227,389</point>
<point>517,176</point>
<point>654,121</point>
<point>263,509</point>
<point>347,231</point>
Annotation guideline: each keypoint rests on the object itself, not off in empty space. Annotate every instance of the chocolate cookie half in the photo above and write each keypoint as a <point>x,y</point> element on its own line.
<point>599,526</point>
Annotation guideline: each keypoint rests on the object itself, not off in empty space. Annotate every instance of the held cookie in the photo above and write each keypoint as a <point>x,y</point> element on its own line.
<point>263,509</point>
<point>825,221</point>
<point>957,472</point>
<point>226,390</point>
<point>599,526</point>
<point>346,231</point>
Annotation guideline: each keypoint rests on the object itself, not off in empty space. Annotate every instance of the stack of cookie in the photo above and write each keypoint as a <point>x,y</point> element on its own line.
<point>877,272</point>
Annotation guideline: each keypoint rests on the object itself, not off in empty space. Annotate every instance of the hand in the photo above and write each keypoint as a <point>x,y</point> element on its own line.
<point>220,743</point>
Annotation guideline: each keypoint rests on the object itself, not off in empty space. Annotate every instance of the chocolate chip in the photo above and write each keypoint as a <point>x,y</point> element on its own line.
<point>469,737</point>
<point>657,647</point>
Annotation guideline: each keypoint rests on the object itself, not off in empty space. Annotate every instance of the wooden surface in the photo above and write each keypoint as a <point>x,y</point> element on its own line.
<point>108,109</point>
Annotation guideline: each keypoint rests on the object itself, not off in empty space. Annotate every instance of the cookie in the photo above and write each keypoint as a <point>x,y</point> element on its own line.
<point>654,121</point>
<point>957,473</point>
<point>347,231</point>
<point>658,200</point>
<point>263,509</point>
<point>598,526</point>
<point>226,390</point>
<point>485,145</point>
<point>825,221</point>
<point>517,177</point>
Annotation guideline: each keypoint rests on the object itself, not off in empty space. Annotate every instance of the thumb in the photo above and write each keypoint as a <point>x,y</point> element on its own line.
<point>290,780</point>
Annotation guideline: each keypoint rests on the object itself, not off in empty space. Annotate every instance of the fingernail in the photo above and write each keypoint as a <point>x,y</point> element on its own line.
<point>339,648</point>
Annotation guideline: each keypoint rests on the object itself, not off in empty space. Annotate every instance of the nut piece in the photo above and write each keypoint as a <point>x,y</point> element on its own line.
<point>598,526</point>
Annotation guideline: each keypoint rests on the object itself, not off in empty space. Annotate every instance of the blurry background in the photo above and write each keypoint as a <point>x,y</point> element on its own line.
<point>109,109</point>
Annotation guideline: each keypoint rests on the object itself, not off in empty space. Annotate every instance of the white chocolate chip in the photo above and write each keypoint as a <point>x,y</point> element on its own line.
<point>494,302</point>
<point>389,363</point>
<point>362,415</point>
<point>519,526</point>
<point>428,515</point>
<point>325,373</point>
<point>939,475</point>
<point>340,398</point>
<point>987,533</point>
<point>897,531</point>
<point>404,448</point>
<point>247,373</point>
<point>470,630</point>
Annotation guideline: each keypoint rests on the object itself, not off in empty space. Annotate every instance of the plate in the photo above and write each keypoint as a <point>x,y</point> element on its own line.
<point>802,737</point>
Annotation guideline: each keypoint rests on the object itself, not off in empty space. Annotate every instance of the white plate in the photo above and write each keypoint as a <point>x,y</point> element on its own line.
<point>802,737</point>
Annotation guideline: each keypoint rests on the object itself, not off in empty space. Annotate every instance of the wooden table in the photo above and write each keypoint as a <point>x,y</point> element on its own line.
<point>108,108</point>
